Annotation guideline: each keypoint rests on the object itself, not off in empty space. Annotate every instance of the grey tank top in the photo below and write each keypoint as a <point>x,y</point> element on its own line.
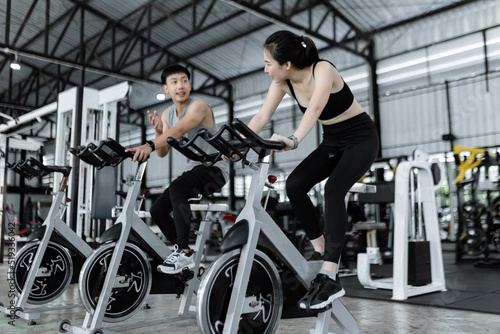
<point>172,120</point>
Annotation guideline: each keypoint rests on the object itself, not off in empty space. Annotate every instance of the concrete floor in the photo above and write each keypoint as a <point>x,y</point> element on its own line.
<point>372,316</point>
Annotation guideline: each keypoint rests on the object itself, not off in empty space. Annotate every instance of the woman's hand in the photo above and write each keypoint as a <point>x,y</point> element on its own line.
<point>156,122</point>
<point>288,142</point>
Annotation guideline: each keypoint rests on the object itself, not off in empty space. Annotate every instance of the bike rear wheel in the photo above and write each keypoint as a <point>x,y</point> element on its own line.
<point>131,285</point>
<point>52,277</point>
<point>264,296</point>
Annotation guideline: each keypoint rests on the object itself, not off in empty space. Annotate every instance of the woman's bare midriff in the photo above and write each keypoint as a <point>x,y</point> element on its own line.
<point>354,110</point>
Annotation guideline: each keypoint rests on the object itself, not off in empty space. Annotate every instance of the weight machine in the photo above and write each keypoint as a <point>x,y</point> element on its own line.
<point>98,122</point>
<point>411,200</point>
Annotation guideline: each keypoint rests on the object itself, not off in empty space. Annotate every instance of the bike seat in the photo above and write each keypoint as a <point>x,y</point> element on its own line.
<point>210,207</point>
<point>363,188</point>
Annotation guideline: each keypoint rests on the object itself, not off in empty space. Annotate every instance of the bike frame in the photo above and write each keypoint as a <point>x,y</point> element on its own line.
<point>260,222</point>
<point>130,220</point>
<point>52,223</point>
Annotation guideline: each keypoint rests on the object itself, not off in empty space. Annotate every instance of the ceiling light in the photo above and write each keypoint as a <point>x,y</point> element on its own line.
<point>15,65</point>
<point>161,97</point>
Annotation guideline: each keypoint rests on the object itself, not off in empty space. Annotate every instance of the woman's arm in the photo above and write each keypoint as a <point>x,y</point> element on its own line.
<point>274,96</point>
<point>325,75</point>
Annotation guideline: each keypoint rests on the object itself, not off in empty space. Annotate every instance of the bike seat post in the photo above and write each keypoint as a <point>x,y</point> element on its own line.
<point>203,234</point>
<point>271,179</point>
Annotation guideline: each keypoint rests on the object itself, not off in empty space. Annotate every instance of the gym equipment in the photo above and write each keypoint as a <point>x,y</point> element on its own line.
<point>97,111</point>
<point>260,275</point>
<point>411,202</point>
<point>118,277</point>
<point>478,228</point>
<point>211,213</point>
<point>382,200</point>
<point>45,266</point>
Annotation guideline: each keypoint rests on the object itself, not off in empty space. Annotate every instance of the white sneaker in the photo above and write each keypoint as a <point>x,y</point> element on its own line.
<point>177,261</point>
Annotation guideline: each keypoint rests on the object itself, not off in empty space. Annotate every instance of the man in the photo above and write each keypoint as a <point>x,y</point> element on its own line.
<point>184,118</point>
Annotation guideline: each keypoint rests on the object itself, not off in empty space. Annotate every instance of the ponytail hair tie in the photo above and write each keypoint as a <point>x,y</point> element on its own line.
<point>302,42</point>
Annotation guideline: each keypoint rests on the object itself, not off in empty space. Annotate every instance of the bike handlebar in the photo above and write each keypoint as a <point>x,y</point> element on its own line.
<point>31,168</point>
<point>107,153</point>
<point>235,149</point>
<point>192,151</point>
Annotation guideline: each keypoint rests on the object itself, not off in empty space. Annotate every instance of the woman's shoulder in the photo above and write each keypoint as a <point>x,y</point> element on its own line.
<point>324,64</point>
<point>280,85</point>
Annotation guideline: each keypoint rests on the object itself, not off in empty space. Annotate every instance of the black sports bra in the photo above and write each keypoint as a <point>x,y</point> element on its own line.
<point>337,102</point>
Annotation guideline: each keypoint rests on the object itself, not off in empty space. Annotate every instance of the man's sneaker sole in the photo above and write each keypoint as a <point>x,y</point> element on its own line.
<point>325,303</point>
<point>168,271</point>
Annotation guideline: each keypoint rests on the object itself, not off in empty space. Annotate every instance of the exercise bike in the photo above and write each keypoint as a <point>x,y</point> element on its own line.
<point>116,280</point>
<point>53,255</point>
<point>260,275</point>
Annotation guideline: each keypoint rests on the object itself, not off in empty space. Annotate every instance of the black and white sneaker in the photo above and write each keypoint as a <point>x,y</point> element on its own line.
<point>177,261</point>
<point>322,292</point>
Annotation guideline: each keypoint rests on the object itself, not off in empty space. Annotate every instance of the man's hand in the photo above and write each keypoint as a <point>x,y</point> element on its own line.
<point>156,122</point>
<point>141,153</point>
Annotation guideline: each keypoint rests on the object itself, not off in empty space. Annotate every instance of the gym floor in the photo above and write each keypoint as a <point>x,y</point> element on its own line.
<point>373,316</point>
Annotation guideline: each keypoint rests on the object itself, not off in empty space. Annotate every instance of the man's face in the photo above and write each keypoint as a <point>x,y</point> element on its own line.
<point>178,86</point>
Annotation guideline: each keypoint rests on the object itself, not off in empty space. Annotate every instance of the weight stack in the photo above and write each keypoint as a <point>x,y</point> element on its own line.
<point>419,263</point>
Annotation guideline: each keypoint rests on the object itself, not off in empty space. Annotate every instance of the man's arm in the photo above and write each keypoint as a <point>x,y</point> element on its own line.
<point>198,111</point>
<point>162,151</point>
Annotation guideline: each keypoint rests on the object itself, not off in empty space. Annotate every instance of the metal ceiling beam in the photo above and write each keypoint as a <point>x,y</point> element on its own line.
<point>28,86</point>
<point>78,64</point>
<point>25,22</point>
<point>65,29</point>
<point>422,16</point>
<point>132,36</point>
<point>209,88</point>
<point>138,32</point>
<point>143,35</point>
<point>338,14</point>
<point>75,65</point>
<point>286,22</point>
<point>13,106</point>
<point>229,40</point>
<point>41,34</point>
<point>138,35</point>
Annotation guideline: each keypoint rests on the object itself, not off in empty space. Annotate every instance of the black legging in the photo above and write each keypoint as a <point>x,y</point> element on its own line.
<point>200,180</point>
<point>346,153</point>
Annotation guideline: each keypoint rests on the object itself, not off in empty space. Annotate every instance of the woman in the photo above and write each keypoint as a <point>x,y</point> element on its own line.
<point>349,147</point>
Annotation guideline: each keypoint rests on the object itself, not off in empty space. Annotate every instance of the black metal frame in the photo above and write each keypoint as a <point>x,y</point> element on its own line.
<point>44,83</point>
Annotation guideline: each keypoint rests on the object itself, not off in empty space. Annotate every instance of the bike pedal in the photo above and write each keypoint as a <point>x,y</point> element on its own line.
<point>201,271</point>
<point>185,275</point>
<point>324,309</point>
